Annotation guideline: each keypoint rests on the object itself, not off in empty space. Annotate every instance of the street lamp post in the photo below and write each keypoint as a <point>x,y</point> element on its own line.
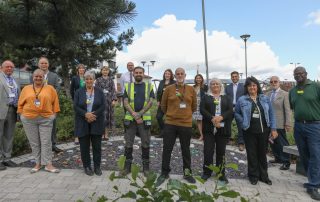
<point>152,64</point>
<point>205,41</point>
<point>245,37</point>
<point>295,64</point>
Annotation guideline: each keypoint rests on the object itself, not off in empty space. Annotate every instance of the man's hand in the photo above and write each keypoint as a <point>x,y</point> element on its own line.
<point>139,121</point>
<point>136,115</point>
<point>288,128</point>
<point>274,134</point>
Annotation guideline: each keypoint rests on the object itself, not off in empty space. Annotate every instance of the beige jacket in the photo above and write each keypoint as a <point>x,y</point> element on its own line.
<point>281,108</point>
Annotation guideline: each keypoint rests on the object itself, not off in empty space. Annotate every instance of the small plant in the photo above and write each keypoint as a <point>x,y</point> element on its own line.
<point>145,189</point>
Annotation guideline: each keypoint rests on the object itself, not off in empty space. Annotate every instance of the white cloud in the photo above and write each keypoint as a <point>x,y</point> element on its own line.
<point>176,43</point>
<point>314,18</point>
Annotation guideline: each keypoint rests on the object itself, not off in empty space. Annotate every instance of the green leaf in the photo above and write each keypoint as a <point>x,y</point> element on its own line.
<point>215,169</point>
<point>202,181</point>
<point>150,181</point>
<point>232,165</point>
<point>174,184</point>
<point>130,194</point>
<point>112,176</point>
<point>102,199</point>
<point>142,193</point>
<point>242,199</point>
<point>121,161</point>
<point>230,194</point>
<point>115,187</point>
<point>134,171</point>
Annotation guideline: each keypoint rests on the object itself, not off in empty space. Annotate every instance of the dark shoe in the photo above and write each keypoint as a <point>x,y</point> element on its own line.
<point>161,179</point>
<point>189,179</point>
<point>9,164</point>
<point>285,166</point>
<point>241,147</point>
<point>268,182</point>
<point>314,194</point>
<point>88,171</point>
<point>224,179</point>
<point>275,161</point>
<point>205,177</point>
<point>2,167</point>
<point>253,181</point>
<point>56,149</point>
<point>97,171</point>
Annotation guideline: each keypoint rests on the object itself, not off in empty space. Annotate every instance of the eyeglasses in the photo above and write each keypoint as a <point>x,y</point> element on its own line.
<point>273,81</point>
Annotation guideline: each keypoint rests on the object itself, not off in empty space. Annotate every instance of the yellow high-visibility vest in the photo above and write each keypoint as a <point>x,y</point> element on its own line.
<point>130,92</point>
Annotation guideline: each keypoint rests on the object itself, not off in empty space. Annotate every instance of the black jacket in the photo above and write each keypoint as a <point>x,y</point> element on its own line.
<point>75,84</point>
<point>82,127</point>
<point>208,109</point>
<point>160,89</point>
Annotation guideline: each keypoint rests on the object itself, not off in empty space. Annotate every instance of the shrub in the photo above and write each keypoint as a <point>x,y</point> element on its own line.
<point>20,141</point>
<point>65,119</point>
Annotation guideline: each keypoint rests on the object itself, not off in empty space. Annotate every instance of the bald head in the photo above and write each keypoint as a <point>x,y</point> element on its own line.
<point>7,67</point>
<point>180,75</point>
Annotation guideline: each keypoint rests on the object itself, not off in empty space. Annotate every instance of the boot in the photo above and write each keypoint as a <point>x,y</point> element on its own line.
<point>145,160</point>
<point>127,166</point>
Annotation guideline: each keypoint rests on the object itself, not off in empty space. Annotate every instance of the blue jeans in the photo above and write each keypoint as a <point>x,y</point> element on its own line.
<point>307,138</point>
<point>277,147</point>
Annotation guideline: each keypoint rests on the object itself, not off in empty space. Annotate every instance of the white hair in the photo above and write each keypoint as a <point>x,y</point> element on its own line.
<point>89,74</point>
<point>220,84</point>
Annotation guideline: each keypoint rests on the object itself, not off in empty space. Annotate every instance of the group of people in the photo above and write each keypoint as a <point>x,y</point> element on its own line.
<point>260,118</point>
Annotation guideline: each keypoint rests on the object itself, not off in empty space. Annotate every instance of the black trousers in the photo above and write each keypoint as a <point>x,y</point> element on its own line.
<point>85,150</point>
<point>277,147</point>
<point>212,142</point>
<point>256,146</point>
<point>159,117</point>
<point>171,132</point>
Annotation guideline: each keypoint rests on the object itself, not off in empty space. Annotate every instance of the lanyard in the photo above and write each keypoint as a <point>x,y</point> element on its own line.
<point>180,95</point>
<point>34,90</point>
<point>90,95</point>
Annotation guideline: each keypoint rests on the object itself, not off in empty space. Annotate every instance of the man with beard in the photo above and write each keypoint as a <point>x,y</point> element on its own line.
<point>178,103</point>
<point>138,97</point>
<point>305,102</point>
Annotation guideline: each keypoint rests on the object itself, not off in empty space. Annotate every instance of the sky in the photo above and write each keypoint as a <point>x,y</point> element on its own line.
<point>170,32</point>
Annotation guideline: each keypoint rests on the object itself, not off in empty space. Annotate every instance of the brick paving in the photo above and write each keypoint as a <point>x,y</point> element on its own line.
<point>17,184</point>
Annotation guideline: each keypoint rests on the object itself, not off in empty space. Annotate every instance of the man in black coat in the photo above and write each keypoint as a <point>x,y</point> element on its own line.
<point>234,91</point>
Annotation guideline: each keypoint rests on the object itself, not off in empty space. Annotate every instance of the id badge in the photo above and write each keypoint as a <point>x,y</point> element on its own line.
<point>37,103</point>
<point>183,105</point>
<point>256,116</point>
<point>222,124</point>
<point>88,101</point>
<point>12,95</point>
<point>105,91</point>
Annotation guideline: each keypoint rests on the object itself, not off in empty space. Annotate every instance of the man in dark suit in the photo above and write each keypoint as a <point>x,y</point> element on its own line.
<point>234,91</point>
<point>9,94</point>
<point>50,78</point>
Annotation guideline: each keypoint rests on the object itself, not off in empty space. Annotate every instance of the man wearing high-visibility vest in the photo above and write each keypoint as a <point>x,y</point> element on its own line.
<point>138,97</point>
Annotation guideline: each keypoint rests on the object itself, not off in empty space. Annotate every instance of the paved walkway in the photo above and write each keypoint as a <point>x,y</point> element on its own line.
<point>17,184</point>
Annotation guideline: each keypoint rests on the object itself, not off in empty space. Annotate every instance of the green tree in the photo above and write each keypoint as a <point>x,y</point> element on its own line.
<point>66,31</point>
